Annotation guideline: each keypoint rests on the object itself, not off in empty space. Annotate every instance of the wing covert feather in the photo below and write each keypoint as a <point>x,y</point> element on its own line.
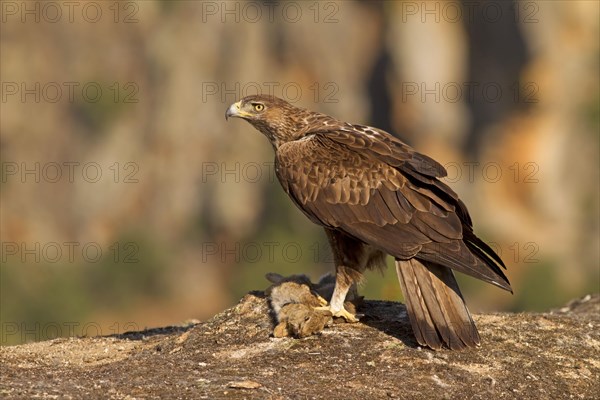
<point>365,197</point>
<point>370,185</point>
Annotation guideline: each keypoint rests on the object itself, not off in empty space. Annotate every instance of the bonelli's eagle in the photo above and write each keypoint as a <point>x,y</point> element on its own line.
<point>375,195</point>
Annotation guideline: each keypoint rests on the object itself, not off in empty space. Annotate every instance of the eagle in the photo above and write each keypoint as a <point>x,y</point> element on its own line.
<point>375,196</point>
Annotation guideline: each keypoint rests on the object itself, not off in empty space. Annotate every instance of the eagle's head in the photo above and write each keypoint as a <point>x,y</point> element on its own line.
<point>275,118</point>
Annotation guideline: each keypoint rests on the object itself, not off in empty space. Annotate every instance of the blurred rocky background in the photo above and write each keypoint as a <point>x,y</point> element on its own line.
<point>127,201</point>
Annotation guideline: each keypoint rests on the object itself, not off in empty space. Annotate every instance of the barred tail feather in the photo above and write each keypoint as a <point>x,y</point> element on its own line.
<point>436,309</point>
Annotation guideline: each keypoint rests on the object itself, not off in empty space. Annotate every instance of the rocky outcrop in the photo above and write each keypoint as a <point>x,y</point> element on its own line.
<point>234,355</point>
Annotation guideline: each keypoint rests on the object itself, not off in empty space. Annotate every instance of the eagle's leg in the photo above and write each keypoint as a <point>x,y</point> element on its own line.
<point>336,305</point>
<point>347,252</point>
<point>343,281</point>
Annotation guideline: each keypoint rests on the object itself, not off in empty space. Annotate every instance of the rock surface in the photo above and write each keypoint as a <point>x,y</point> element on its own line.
<point>523,356</point>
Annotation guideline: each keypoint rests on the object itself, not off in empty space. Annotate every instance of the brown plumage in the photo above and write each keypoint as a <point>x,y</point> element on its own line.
<point>375,195</point>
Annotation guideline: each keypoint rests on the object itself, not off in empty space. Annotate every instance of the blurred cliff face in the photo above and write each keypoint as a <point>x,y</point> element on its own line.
<point>126,201</point>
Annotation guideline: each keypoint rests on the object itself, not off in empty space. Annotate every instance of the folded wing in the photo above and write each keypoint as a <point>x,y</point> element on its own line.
<point>372,186</point>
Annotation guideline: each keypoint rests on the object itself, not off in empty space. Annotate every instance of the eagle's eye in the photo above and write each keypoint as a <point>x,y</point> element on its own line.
<point>258,107</point>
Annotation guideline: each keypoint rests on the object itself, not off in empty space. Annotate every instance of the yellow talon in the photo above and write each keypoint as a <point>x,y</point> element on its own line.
<point>322,301</point>
<point>343,313</point>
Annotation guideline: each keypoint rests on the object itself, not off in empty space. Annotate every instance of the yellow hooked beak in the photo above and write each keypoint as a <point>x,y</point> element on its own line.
<point>235,111</point>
